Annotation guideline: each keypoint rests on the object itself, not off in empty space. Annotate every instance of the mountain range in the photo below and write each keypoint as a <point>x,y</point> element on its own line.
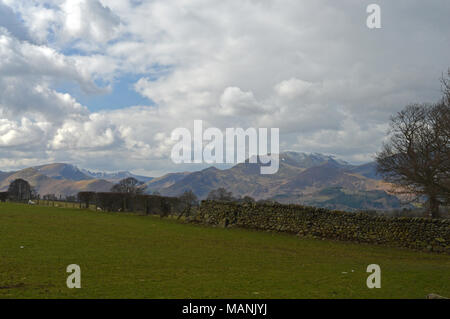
<point>310,179</point>
<point>65,179</point>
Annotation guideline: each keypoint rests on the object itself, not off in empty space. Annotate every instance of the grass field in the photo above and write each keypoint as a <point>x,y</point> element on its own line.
<point>131,256</point>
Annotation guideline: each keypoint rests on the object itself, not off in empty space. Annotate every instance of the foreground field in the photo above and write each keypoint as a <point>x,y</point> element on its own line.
<point>131,256</point>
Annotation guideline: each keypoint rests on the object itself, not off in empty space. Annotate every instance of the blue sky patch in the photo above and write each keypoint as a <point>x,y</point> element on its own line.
<point>121,95</point>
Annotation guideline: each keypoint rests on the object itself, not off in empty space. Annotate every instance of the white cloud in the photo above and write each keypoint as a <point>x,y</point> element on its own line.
<point>89,20</point>
<point>294,88</point>
<point>84,24</point>
<point>311,68</point>
<point>95,132</point>
<point>24,132</point>
<point>235,102</point>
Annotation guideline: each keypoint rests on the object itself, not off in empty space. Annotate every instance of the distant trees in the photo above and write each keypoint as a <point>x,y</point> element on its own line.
<point>124,202</point>
<point>188,199</point>
<point>50,197</point>
<point>87,198</point>
<point>20,190</point>
<point>71,198</point>
<point>111,201</point>
<point>3,196</point>
<point>417,154</point>
<point>130,186</point>
<point>220,194</point>
<point>165,207</point>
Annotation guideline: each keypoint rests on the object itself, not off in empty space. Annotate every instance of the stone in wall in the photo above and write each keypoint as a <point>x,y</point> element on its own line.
<point>415,233</point>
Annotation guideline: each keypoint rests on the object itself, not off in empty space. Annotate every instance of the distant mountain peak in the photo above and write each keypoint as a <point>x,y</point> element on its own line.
<point>117,176</point>
<point>62,171</point>
<point>312,156</point>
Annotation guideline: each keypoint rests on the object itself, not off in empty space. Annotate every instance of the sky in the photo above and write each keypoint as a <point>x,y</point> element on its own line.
<point>102,83</point>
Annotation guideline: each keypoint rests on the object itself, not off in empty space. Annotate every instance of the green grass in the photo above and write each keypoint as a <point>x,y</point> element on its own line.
<point>131,256</point>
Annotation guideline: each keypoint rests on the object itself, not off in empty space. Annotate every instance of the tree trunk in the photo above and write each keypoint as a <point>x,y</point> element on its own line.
<point>434,206</point>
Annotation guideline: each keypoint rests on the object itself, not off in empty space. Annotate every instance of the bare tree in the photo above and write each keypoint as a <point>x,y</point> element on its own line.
<point>220,194</point>
<point>188,199</point>
<point>446,88</point>
<point>20,189</point>
<point>417,155</point>
<point>130,186</point>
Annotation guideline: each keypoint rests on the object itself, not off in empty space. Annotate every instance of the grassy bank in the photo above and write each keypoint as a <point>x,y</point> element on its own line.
<point>129,256</point>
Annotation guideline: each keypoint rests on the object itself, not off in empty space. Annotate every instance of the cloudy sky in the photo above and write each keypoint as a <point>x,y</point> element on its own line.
<point>102,83</point>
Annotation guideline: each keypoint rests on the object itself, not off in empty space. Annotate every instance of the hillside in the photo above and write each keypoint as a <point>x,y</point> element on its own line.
<point>301,178</point>
<point>62,171</point>
<point>165,181</point>
<point>66,179</point>
<point>58,181</point>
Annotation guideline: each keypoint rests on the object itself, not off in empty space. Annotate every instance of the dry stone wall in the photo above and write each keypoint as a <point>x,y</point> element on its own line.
<point>416,233</point>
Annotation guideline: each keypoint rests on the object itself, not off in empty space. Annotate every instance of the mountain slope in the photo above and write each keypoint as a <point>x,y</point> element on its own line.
<point>56,184</point>
<point>158,183</point>
<point>368,170</point>
<point>246,179</point>
<point>301,178</point>
<point>115,177</point>
<point>343,199</point>
<point>65,179</point>
<point>324,175</point>
<point>29,174</point>
<point>62,171</point>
